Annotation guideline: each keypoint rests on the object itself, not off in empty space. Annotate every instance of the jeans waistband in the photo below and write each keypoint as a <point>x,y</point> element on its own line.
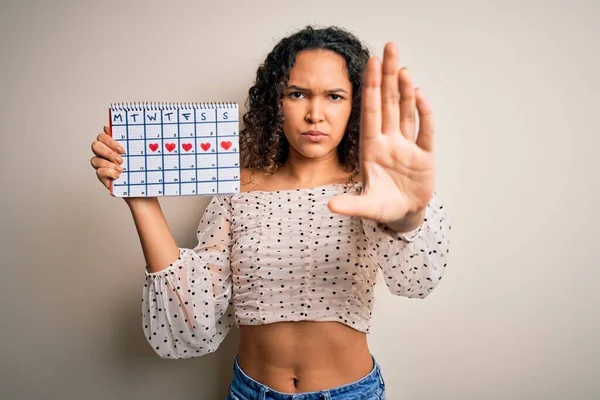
<point>374,378</point>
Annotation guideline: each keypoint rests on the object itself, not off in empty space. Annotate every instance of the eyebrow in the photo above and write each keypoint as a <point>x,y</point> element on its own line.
<point>299,88</point>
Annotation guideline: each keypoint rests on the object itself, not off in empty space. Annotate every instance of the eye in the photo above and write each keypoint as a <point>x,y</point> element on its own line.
<point>293,95</point>
<point>337,97</point>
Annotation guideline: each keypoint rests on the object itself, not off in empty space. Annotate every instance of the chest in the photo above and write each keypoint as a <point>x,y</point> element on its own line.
<point>288,232</point>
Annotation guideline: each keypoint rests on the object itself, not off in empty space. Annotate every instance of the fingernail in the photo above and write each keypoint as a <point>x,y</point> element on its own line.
<point>120,160</point>
<point>121,149</point>
<point>119,168</point>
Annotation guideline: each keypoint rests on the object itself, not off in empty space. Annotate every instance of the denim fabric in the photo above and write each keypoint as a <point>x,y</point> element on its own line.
<point>370,387</point>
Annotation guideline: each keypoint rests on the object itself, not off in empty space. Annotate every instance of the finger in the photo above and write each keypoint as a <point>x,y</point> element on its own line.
<point>426,125</point>
<point>407,104</point>
<point>370,124</point>
<point>98,162</point>
<point>389,90</point>
<point>100,149</point>
<point>106,175</point>
<point>107,139</point>
<point>352,205</point>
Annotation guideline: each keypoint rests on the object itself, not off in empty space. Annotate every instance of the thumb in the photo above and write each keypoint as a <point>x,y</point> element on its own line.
<point>352,205</point>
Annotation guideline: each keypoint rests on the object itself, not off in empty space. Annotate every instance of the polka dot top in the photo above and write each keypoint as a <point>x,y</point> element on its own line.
<point>265,257</point>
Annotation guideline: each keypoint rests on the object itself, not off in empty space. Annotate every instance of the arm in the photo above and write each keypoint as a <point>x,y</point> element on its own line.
<point>187,296</point>
<point>412,262</point>
<point>158,245</point>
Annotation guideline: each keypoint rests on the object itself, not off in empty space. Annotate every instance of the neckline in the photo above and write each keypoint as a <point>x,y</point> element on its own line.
<point>321,187</point>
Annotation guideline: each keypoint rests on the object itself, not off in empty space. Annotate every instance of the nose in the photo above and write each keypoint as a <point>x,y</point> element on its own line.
<point>314,114</point>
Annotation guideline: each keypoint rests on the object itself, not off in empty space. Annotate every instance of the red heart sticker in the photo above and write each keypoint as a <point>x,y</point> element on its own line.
<point>226,145</point>
<point>205,146</point>
<point>153,146</point>
<point>170,146</point>
<point>187,146</point>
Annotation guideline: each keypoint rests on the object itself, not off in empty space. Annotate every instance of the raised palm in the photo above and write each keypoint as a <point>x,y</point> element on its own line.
<point>397,170</point>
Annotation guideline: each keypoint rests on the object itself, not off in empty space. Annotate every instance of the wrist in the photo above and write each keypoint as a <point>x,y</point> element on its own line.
<point>141,203</point>
<point>408,223</point>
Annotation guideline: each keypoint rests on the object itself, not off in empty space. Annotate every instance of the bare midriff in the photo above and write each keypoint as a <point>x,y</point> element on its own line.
<point>304,356</point>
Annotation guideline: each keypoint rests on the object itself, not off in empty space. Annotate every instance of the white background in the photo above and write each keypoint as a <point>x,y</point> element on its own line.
<point>514,87</point>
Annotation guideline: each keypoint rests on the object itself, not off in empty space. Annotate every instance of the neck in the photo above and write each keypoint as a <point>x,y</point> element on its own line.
<point>307,172</point>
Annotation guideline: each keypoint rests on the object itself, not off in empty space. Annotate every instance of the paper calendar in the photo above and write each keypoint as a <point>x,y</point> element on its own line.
<point>176,149</point>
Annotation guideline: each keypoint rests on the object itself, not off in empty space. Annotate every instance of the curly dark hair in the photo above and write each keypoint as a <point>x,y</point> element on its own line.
<point>263,145</point>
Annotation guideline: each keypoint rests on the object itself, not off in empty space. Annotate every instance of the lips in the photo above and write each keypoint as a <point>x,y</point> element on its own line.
<point>314,136</point>
<point>313,133</point>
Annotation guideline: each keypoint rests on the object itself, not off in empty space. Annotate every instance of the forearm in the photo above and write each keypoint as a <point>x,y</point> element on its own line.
<point>158,244</point>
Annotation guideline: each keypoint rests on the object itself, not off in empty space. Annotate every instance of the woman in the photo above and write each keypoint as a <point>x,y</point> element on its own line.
<point>336,187</point>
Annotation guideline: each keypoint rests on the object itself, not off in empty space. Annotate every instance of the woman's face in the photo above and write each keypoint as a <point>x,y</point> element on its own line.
<point>316,104</point>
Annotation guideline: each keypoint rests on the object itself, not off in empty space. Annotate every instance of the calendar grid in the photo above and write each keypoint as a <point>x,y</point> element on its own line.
<point>217,136</point>
<point>178,158</point>
<point>162,151</point>
<point>128,165</point>
<point>196,150</point>
<point>145,155</point>
<point>182,123</point>
<point>179,149</point>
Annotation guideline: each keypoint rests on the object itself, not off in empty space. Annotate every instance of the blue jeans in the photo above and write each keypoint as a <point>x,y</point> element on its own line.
<point>369,387</point>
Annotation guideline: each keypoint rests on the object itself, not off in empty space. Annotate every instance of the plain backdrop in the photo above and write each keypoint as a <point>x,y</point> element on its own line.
<point>514,89</point>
